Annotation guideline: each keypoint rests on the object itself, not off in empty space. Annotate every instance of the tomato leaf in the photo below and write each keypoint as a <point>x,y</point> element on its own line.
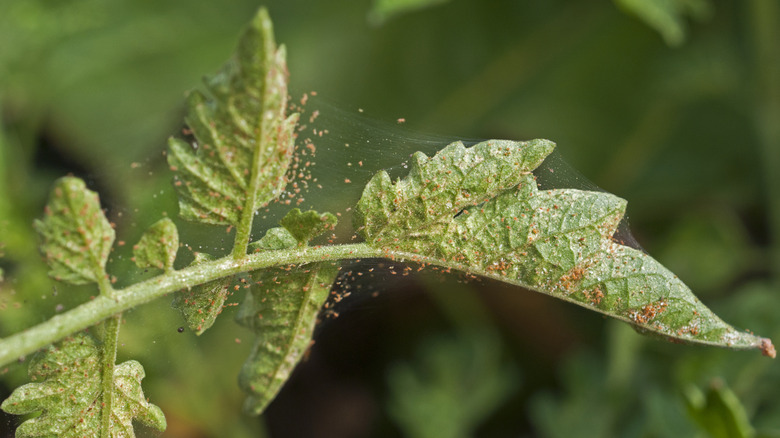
<point>201,305</point>
<point>69,394</point>
<point>306,226</point>
<point>282,309</point>
<point>479,210</point>
<point>243,141</point>
<point>158,246</point>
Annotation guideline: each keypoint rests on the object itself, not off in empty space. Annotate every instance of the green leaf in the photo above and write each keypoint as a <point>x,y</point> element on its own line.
<point>243,139</point>
<point>667,17</point>
<point>282,309</point>
<point>201,305</point>
<point>306,226</point>
<point>719,412</point>
<point>383,10</point>
<point>275,238</point>
<point>158,246</point>
<point>76,237</point>
<point>69,396</point>
<point>453,386</point>
<point>480,211</point>
<point>436,189</point>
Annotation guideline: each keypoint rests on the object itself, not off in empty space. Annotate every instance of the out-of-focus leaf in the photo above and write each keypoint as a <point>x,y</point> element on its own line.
<point>708,250</point>
<point>451,388</point>
<point>69,394</point>
<point>383,10</point>
<point>158,246</point>
<point>479,210</point>
<point>576,414</point>
<point>76,237</point>
<point>719,412</point>
<point>667,17</point>
<point>591,403</point>
<point>243,139</point>
<point>201,305</point>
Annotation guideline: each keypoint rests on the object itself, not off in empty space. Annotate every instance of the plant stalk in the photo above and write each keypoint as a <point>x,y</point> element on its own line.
<point>108,361</point>
<point>57,327</point>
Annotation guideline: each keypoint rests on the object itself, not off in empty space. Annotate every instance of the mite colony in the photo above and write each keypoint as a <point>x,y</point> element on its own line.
<point>299,175</point>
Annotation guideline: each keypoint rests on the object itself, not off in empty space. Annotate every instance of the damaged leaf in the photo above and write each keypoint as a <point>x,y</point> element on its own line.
<point>479,210</point>
<point>67,391</point>
<point>282,309</point>
<point>76,237</point>
<point>158,246</point>
<point>201,304</point>
<point>243,140</point>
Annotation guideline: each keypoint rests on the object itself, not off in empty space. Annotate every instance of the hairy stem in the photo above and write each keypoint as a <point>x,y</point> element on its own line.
<point>102,307</point>
<point>108,360</point>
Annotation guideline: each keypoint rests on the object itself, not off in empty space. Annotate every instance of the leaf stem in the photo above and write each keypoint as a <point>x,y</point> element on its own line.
<point>28,341</point>
<point>243,231</point>
<point>102,307</point>
<point>108,361</point>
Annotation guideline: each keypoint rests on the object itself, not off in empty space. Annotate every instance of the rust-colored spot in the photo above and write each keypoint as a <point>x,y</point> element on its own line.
<point>649,311</point>
<point>767,349</point>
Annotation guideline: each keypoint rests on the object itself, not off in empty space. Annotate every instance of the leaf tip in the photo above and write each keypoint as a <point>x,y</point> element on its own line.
<point>262,19</point>
<point>767,348</point>
<point>540,148</point>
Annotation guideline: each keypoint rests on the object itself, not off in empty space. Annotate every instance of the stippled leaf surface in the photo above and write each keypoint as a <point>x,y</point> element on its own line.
<point>76,237</point>
<point>479,210</point>
<point>66,389</point>
<point>158,246</point>
<point>304,226</point>
<point>423,204</point>
<point>282,309</point>
<point>243,139</point>
<point>201,305</point>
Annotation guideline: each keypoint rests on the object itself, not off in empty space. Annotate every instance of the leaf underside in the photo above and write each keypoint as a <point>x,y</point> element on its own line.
<point>479,210</point>
<point>201,305</point>
<point>68,393</point>
<point>243,139</point>
<point>158,246</point>
<point>304,226</point>
<point>76,237</point>
<point>282,308</point>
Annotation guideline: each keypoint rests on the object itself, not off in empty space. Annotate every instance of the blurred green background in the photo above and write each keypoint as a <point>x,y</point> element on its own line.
<point>673,105</point>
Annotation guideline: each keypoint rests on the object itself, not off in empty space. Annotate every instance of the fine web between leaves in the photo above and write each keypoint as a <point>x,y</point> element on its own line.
<point>552,249</point>
<point>351,147</point>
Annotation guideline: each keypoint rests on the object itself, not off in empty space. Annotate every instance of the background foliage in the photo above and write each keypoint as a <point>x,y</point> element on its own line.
<point>675,109</point>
